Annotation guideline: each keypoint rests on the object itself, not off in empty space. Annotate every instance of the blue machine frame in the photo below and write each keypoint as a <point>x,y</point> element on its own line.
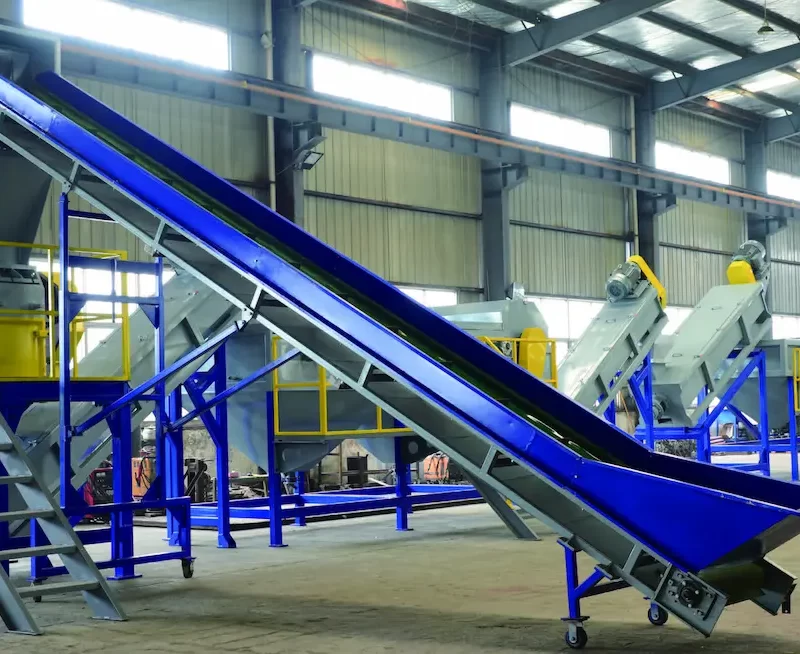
<point>641,387</point>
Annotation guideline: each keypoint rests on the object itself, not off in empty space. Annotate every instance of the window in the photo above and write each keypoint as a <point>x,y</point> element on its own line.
<point>675,318</point>
<point>560,131</point>
<point>783,185</point>
<point>786,327</point>
<point>431,297</point>
<point>99,282</point>
<point>121,26</point>
<point>566,320</point>
<point>692,163</point>
<point>384,88</point>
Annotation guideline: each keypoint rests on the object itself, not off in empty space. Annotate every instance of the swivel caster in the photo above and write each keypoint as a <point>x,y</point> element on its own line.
<point>187,565</point>
<point>657,615</point>
<point>576,638</point>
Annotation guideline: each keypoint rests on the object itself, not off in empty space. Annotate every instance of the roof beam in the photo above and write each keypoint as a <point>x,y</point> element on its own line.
<point>778,129</point>
<point>688,87</point>
<point>545,37</point>
<point>757,10</point>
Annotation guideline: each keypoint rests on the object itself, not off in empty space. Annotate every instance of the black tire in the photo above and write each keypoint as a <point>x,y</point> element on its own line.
<point>188,569</point>
<point>657,616</point>
<point>578,641</point>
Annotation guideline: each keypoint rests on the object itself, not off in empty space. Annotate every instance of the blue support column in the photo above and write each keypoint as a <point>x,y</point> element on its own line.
<point>611,413</point>
<point>793,431</point>
<point>402,473</point>
<point>274,486</point>
<point>704,433</point>
<point>299,491</point>
<point>220,376</point>
<point>159,390</point>
<point>763,420</point>
<point>122,521</point>
<point>173,464</point>
<point>65,424</point>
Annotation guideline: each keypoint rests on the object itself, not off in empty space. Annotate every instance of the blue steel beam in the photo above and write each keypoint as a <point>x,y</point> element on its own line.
<point>688,87</point>
<point>529,43</point>
<point>226,394</point>
<point>300,106</point>
<point>139,391</point>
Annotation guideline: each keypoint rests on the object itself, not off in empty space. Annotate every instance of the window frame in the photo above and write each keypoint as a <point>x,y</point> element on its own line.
<point>661,144</point>
<point>566,122</point>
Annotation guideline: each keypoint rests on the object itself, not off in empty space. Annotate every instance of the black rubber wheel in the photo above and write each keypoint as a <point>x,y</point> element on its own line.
<point>657,616</point>
<point>37,599</point>
<point>188,569</point>
<point>578,641</point>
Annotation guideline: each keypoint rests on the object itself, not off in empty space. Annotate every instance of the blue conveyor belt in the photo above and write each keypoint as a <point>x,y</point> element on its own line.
<point>691,514</point>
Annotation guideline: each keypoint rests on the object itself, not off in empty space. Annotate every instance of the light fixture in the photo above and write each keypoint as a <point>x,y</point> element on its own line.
<point>766,28</point>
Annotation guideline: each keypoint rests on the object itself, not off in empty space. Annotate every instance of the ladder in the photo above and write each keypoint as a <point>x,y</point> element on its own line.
<point>40,506</point>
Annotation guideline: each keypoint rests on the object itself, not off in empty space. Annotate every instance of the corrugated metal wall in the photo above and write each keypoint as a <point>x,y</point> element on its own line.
<point>405,244</point>
<point>785,245</point>
<point>546,258</point>
<point>686,272</point>
<point>232,143</point>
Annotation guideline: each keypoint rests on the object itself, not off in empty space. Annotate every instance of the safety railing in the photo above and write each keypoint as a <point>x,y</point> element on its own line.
<point>30,347</point>
<point>796,377</point>
<point>534,354</point>
<point>321,383</point>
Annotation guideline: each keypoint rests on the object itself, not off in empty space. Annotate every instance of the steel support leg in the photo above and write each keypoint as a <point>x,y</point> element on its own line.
<point>122,521</point>
<point>159,390</point>
<point>793,431</point>
<point>402,473</point>
<point>4,527</point>
<point>274,485</point>
<point>173,464</point>
<point>763,420</point>
<point>65,419</point>
<point>506,513</point>
<point>299,491</point>
<point>224,538</point>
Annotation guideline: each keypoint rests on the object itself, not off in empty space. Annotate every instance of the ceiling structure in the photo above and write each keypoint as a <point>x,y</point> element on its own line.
<point>711,56</point>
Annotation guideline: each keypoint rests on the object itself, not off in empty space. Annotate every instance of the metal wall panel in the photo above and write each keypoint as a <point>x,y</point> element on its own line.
<point>784,157</point>
<point>546,90</point>
<point>558,263</point>
<point>233,144</point>
<point>785,288</point>
<point>688,275</point>
<point>701,226</point>
<point>699,133</point>
<point>375,169</point>
<point>408,247</point>
<point>564,201</point>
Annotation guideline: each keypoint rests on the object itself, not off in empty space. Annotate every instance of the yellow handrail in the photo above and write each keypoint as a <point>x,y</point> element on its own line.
<point>513,350</point>
<point>46,348</point>
<point>321,385</point>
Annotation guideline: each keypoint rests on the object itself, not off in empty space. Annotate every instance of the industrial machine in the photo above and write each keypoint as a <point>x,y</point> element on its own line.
<point>512,433</point>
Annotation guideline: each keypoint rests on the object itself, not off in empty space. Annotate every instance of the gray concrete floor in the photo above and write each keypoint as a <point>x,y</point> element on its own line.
<point>457,584</point>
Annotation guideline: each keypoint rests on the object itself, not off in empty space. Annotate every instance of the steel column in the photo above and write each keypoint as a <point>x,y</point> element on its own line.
<point>299,491</point>
<point>159,390</point>
<point>647,216</point>
<point>220,375</point>
<point>793,430</point>
<point>173,466</point>
<point>274,484</point>
<point>495,223</point>
<point>402,473</point>
<point>763,419</point>
<point>64,399</point>
<point>122,520</point>
<point>288,67</point>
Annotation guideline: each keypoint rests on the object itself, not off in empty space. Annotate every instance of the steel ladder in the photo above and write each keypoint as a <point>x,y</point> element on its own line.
<point>40,506</point>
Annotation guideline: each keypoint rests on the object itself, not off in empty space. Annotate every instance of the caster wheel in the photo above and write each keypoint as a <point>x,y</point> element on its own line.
<point>577,640</point>
<point>37,599</point>
<point>188,569</point>
<point>657,616</point>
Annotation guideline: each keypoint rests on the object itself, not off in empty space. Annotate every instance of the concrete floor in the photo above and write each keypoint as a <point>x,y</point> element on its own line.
<point>457,584</point>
